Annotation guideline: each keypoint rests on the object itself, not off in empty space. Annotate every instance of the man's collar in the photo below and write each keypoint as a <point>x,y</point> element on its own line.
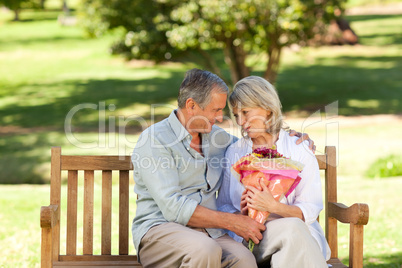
<point>179,130</point>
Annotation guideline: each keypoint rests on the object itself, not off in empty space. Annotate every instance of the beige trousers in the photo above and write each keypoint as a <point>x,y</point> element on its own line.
<point>174,245</point>
<point>287,243</point>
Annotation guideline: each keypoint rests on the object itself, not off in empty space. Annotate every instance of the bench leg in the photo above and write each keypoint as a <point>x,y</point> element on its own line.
<point>46,248</point>
<point>356,246</point>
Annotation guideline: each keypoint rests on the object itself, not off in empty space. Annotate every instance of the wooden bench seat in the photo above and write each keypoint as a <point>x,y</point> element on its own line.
<point>51,256</point>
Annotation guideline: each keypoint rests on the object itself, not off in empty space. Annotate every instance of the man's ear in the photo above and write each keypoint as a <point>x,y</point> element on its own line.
<point>190,105</point>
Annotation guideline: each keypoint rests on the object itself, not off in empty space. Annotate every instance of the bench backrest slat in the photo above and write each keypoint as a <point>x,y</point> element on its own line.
<point>331,226</point>
<point>88,212</point>
<point>123,211</point>
<point>55,196</point>
<point>322,161</point>
<point>72,189</point>
<point>102,162</point>
<point>106,248</point>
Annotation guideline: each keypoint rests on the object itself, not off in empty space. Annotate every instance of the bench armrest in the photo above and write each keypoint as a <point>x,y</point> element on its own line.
<point>356,214</point>
<point>48,223</point>
<point>48,216</point>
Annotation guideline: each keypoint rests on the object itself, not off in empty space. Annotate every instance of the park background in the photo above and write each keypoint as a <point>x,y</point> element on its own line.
<point>47,69</point>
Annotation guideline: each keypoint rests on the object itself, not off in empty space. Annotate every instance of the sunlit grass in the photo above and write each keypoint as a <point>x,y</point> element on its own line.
<point>359,3</point>
<point>381,236</point>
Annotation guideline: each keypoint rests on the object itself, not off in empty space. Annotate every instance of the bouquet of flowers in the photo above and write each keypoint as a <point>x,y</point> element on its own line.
<point>279,174</point>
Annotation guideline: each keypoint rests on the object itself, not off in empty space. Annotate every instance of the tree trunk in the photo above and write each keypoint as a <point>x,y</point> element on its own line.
<point>16,14</point>
<point>65,8</point>
<point>235,58</point>
<point>274,55</point>
<point>211,64</point>
<point>42,4</point>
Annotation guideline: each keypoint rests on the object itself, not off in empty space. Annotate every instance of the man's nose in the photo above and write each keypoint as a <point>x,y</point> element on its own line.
<point>219,117</point>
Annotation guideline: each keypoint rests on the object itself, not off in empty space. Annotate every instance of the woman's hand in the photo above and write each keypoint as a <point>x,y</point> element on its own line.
<point>261,200</point>
<point>243,203</point>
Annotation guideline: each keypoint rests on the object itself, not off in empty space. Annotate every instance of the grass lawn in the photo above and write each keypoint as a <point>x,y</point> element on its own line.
<point>48,70</point>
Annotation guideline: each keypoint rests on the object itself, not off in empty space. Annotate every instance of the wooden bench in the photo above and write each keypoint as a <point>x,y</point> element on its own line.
<point>356,215</point>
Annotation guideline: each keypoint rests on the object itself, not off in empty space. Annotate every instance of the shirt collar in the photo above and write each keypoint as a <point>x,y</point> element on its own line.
<point>179,130</point>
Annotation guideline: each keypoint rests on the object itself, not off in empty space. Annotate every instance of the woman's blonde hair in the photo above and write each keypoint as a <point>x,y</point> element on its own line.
<point>253,92</point>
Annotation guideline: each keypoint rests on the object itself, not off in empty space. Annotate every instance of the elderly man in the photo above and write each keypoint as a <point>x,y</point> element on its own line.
<point>177,167</point>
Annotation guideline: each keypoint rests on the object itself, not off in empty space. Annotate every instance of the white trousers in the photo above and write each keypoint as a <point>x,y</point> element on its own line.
<point>286,243</point>
<point>174,245</point>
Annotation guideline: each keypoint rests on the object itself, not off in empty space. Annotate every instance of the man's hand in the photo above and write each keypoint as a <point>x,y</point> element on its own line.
<point>247,228</point>
<point>241,225</point>
<point>303,137</point>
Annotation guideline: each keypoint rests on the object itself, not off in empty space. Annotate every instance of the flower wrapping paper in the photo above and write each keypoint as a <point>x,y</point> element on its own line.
<point>280,175</point>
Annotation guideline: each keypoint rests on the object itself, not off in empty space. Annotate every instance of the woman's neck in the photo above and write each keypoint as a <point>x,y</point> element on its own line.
<point>266,140</point>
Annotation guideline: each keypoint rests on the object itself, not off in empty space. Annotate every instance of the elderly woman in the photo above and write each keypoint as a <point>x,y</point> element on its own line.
<point>293,237</point>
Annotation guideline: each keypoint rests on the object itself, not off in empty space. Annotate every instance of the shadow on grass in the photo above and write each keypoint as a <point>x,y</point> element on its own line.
<point>25,149</point>
<point>384,261</point>
<point>21,158</point>
<point>360,90</point>
<point>113,93</point>
<point>382,40</point>
<point>29,15</point>
<point>353,18</point>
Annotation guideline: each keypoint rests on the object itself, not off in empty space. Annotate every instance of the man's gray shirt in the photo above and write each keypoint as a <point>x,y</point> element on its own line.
<point>171,178</point>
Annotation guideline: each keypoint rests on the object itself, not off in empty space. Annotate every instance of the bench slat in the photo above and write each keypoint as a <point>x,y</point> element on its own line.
<point>98,261</point>
<point>331,227</point>
<point>88,212</point>
<point>95,264</point>
<point>55,197</point>
<point>123,212</point>
<point>106,212</point>
<point>336,263</point>
<point>72,186</point>
<point>322,161</point>
<point>82,258</point>
<point>103,162</point>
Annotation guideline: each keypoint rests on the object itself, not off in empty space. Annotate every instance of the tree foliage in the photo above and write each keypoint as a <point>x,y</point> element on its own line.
<point>17,5</point>
<point>159,29</point>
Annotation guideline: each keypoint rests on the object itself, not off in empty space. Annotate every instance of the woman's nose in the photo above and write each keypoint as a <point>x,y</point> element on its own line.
<point>240,120</point>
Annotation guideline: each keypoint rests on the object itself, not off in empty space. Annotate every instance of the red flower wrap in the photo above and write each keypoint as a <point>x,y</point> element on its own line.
<point>280,175</point>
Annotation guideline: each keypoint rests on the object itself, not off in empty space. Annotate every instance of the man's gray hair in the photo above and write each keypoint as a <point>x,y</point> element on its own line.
<point>199,85</point>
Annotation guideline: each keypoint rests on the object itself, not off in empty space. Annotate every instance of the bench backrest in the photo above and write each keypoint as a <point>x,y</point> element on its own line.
<point>90,164</point>
<point>122,164</point>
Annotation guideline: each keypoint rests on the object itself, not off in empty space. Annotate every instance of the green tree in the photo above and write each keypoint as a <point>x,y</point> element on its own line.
<point>159,29</point>
<point>14,5</point>
<point>17,5</point>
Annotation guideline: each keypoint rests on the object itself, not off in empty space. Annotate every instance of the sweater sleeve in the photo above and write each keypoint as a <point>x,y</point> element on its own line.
<point>225,201</point>
<point>308,194</point>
